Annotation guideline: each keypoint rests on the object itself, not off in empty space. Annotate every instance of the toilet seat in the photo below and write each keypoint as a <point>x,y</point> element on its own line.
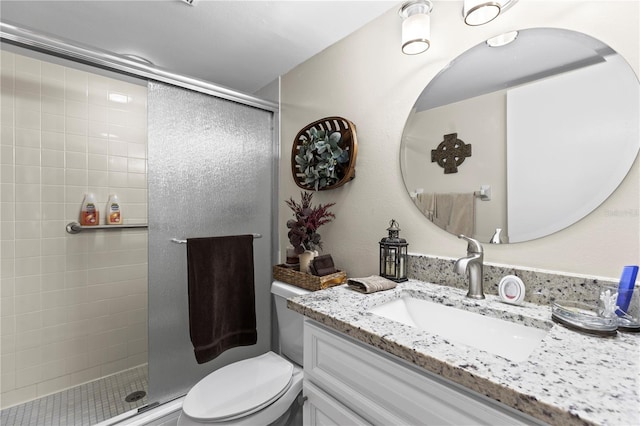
<point>239,389</point>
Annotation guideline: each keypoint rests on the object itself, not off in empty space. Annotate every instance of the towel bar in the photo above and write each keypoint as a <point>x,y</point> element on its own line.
<point>179,241</point>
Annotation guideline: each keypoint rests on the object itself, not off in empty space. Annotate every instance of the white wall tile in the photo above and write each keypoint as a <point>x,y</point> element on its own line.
<point>52,158</point>
<point>97,178</point>
<point>76,126</point>
<point>52,264</point>
<point>118,148</point>
<point>27,65</point>
<point>27,156</point>
<point>75,160</point>
<point>25,266</point>
<point>52,282</point>
<point>73,306</point>
<point>8,268</point>
<point>27,193</point>
<point>53,228</point>
<point>28,211</point>
<point>76,85</point>
<point>29,138</point>
<point>98,162</point>
<point>27,84</point>
<point>76,143</point>
<point>118,164</point>
<point>52,88</point>
<point>27,118</point>
<point>98,146</point>
<point>6,135</point>
<point>8,325</point>
<point>27,248</point>
<point>118,180</point>
<point>30,103</point>
<point>27,174</point>
<point>76,177</point>
<point>52,105</point>
<point>28,284</point>
<point>98,90</point>
<point>8,192</point>
<point>77,109</point>
<point>7,250</point>
<point>52,175</point>
<point>7,116</point>
<point>52,194</point>
<point>53,140</point>
<point>52,123</point>
<point>31,321</point>
<point>27,229</point>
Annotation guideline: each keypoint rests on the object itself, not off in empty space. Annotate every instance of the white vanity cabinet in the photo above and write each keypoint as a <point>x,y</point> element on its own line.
<point>349,383</point>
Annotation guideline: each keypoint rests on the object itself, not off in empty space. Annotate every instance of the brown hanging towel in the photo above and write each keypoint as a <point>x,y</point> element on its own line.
<point>222,312</point>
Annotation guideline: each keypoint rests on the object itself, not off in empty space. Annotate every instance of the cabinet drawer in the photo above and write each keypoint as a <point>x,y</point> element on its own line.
<point>385,391</point>
<point>322,410</point>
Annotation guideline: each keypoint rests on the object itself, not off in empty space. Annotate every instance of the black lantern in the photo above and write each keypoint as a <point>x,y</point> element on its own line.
<point>393,255</point>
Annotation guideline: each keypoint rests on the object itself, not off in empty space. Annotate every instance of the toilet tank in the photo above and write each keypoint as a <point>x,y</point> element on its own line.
<point>290,323</point>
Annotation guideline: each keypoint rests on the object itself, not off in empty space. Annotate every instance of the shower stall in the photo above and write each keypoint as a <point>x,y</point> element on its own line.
<point>94,322</point>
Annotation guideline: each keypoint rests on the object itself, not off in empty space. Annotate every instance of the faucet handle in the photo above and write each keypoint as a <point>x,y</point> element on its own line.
<point>473,245</point>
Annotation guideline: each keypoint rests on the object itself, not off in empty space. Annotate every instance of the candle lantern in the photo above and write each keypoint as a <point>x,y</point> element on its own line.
<point>393,255</point>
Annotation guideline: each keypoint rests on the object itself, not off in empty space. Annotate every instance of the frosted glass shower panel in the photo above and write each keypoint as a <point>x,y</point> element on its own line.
<point>210,174</point>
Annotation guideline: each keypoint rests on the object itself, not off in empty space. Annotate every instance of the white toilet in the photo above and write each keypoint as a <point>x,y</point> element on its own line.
<point>255,391</point>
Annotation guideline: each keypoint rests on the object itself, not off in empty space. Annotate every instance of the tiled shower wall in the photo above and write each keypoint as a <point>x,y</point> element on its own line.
<point>74,307</point>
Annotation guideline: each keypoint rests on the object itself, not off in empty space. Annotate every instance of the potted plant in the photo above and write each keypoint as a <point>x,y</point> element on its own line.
<point>303,229</point>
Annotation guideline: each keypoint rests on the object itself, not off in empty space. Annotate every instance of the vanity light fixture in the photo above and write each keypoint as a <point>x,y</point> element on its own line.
<point>416,26</point>
<point>479,12</point>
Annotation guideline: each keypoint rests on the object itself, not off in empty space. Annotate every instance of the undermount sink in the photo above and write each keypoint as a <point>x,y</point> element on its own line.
<point>499,337</point>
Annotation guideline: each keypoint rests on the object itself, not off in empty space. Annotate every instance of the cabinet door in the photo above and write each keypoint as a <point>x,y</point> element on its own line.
<point>385,391</point>
<point>322,410</point>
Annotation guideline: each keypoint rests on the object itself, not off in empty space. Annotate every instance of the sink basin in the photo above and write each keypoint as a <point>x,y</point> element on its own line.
<point>507,339</point>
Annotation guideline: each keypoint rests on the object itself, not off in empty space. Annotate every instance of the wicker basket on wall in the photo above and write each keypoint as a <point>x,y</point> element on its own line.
<point>348,140</point>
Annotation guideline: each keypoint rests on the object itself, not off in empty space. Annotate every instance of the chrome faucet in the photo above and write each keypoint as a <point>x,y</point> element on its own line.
<point>472,263</point>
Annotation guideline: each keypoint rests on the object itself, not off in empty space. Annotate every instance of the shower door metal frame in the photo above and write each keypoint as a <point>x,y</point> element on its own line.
<point>31,39</point>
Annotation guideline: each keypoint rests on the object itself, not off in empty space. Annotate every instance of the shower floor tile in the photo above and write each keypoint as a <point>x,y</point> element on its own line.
<point>82,405</point>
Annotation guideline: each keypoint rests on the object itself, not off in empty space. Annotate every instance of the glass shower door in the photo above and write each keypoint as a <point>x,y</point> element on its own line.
<point>210,173</point>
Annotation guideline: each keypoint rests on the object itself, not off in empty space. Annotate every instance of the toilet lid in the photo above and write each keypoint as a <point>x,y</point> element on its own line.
<point>239,389</point>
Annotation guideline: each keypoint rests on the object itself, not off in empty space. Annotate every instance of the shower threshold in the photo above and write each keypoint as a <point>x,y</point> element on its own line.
<point>83,405</point>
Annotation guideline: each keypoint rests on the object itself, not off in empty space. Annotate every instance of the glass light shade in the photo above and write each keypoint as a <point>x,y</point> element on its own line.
<point>416,34</point>
<point>479,12</point>
<point>502,39</point>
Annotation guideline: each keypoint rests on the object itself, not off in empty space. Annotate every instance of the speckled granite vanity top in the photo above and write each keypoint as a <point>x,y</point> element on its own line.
<point>571,378</point>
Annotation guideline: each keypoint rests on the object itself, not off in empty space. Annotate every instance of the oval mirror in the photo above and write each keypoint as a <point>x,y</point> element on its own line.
<point>527,133</point>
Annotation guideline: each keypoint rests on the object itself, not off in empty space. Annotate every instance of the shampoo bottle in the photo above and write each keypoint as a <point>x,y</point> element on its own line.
<point>114,215</point>
<point>89,213</point>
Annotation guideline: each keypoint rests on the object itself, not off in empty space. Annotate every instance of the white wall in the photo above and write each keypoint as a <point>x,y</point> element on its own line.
<point>74,307</point>
<point>367,79</point>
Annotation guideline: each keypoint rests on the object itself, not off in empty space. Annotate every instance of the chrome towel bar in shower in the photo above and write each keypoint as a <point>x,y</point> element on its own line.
<point>179,241</point>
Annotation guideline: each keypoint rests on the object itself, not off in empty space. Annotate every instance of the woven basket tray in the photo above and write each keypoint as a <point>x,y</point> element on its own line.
<point>308,281</point>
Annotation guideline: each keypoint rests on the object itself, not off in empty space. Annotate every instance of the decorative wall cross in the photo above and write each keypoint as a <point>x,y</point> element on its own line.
<point>451,153</point>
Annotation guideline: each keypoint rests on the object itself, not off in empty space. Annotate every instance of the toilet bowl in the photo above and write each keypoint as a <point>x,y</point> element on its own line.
<point>262,390</point>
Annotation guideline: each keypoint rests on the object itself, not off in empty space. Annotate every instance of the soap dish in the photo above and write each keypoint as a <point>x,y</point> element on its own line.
<point>582,317</point>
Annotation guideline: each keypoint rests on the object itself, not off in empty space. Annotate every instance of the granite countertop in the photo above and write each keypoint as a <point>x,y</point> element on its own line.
<point>571,378</point>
